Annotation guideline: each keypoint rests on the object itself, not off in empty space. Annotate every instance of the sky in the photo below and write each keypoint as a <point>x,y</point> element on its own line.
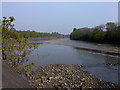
<point>60,17</point>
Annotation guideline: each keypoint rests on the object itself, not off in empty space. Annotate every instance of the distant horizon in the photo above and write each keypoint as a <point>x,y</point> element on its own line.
<point>60,17</point>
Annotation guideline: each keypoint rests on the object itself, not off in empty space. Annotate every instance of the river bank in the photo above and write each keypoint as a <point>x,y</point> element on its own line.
<point>41,38</point>
<point>65,76</point>
<point>53,76</point>
<point>100,48</point>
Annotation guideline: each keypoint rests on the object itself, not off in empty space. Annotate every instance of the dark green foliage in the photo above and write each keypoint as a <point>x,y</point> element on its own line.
<point>111,26</point>
<point>109,33</point>
<point>74,29</point>
<point>28,34</point>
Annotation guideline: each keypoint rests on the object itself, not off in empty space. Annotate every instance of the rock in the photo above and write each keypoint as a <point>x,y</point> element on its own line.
<point>83,79</point>
<point>66,76</point>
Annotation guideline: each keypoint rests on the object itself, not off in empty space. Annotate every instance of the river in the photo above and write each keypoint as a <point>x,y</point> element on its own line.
<point>65,52</point>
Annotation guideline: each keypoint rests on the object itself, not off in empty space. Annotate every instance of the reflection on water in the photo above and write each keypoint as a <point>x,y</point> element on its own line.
<point>95,63</point>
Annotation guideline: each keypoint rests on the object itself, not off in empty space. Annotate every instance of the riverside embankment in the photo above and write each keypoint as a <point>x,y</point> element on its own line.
<point>10,79</point>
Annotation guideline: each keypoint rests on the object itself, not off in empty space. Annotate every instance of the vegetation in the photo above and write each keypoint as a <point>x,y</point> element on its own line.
<point>14,48</point>
<point>10,31</point>
<point>108,33</point>
<point>28,34</point>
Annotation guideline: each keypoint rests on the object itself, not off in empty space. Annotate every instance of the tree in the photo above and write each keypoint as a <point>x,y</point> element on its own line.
<point>14,48</point>
<point>97,34</point>
<point>111,26</point>
<point>74,29</point>
<point>7,27</point>
<point>100,27</point>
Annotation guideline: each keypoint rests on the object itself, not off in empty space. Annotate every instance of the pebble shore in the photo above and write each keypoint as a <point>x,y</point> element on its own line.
<point>65,76</point>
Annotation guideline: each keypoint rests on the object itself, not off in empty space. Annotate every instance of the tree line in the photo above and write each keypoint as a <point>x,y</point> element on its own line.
<point>8,30</point>
<point>28,34</point>
<point>108,33</point>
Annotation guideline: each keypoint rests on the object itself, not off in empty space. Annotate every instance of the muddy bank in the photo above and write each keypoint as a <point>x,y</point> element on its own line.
<point>65,76</point>
<point>10,79</point>
<point>99,48</point>
<point>41,38</point>
<point>56,42</point>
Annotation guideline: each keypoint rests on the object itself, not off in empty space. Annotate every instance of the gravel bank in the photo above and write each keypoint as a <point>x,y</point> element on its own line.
<point>65,76</point>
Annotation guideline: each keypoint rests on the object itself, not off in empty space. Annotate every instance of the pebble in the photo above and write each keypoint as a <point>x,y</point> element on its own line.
<point>66,76</point>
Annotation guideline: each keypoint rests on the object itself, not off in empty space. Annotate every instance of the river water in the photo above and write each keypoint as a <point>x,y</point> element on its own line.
<point>95,63</point>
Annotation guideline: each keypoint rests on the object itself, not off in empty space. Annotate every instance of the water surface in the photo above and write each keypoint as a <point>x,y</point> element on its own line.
<point>96,63</point>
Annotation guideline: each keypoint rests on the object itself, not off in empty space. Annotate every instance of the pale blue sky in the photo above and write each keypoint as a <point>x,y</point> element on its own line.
<point>60,17</point>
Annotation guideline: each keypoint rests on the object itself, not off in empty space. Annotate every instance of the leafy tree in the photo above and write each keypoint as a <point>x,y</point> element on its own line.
<point>100,27</point>
<point>111,26</point>
<point>74,29</point>
<point>14,48</point>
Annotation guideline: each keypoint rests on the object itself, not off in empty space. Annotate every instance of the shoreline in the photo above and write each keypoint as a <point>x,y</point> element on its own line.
<point>114,51</point>
<point>54,76</point>
<point>66,76</point>
<point>41,38</point>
